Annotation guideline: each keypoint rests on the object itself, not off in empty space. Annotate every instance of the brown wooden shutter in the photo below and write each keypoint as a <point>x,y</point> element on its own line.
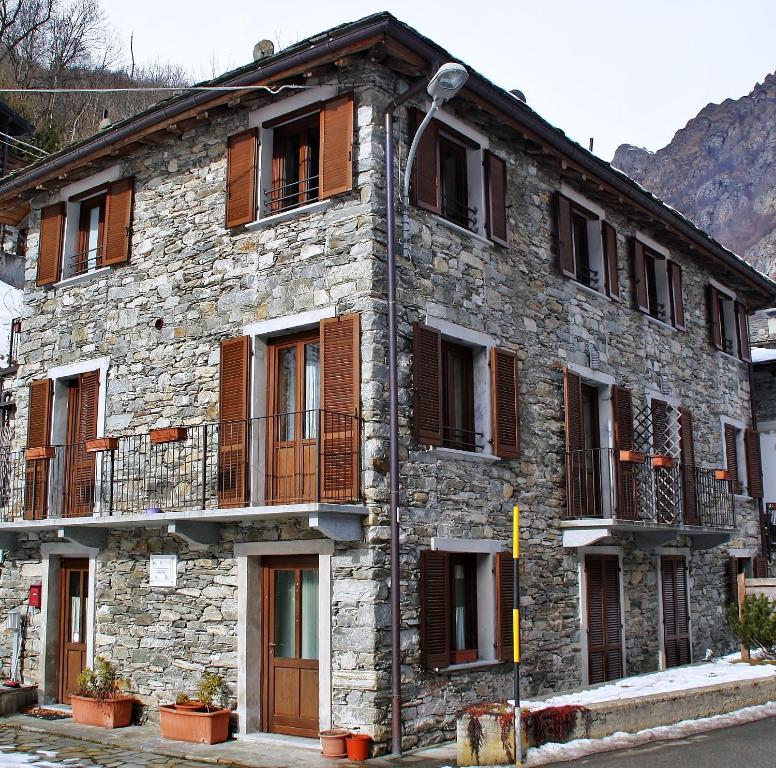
<point>496,189</point>
<point>760,567</point>
<point>504,593</point>
<point>38,436</point>
<point>731,574</point>
<point>118,221</point>
<point>609,237</point>
<point>435,608</point>
<point>744,351</point>
<point>565,238</point>
<point>676,616</point>
<point>52,234</point>
<point>233,433</point>
<point>714,325</point>
<point>427,381</point>
<point>675,290</point>
<point>241,178</point>
<point>659,411</point>
<point>83,479</point>
<point>687,459</point>
<point>336,153</point>
<point>425,175</point>
<point>575,454</point>
<point>731,457</point>
<point>340,403</point>
<point>604,627</point>
<point>624,440</point>
<point>506,403</point>
<point>754,464</point>
<point>640,276</point>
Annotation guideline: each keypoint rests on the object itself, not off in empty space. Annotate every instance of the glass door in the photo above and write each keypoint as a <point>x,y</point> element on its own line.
<point>74,578</point>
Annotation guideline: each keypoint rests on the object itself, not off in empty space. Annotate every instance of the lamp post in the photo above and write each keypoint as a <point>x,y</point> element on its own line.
<point>445,84</point>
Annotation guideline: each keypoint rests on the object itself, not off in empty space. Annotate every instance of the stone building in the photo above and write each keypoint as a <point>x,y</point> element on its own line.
<point>199,474</point>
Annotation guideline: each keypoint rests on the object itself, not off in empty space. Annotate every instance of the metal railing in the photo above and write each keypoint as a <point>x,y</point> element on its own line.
<point>459,213</point>
<point>307,456</point>
<point>286,197</point>
<point>82,262</point>
<point>654,490</point>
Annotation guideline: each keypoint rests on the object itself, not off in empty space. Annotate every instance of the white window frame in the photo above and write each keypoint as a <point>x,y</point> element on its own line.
<point>661,276</point>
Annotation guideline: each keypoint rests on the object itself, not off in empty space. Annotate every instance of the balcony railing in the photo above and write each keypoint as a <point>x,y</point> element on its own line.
<point>293,458</point>
<point>286,197</point>
<point>654,490</point>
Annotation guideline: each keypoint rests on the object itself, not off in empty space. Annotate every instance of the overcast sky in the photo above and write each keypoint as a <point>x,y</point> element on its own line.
<point>616,70</point>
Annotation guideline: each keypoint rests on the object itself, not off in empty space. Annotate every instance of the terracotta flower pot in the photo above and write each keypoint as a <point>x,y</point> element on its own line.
<point>105,713</point>
<point>192,726</point>
<point>333,742</point>
<point>358,745</point>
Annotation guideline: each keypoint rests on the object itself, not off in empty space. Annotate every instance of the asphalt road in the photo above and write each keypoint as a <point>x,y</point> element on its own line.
<point>743,746</point>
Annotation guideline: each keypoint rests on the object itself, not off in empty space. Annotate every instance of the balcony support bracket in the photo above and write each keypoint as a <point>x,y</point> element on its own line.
<point>195,533</point>
<point>709,540</point>
<point>7,540</point>
<point>94,538</point>
<point>337,525</point>
<point>654,539</point>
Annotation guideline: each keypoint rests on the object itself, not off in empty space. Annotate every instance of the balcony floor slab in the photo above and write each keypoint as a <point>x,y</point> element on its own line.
<point>584,532</point>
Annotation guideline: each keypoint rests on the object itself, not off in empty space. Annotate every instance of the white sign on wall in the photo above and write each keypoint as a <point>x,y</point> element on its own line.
<point>162,570</point>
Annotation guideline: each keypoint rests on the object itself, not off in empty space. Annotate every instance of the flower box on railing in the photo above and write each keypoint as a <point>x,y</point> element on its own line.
<point>41,452</point>
<point>663,462</point>
<point>100,444</point>
<point>723,474</point>
<point>168,435</point>
<point>633,457</point>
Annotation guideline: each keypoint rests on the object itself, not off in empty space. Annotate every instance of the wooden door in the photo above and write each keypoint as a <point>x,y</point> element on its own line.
<point>604,624</point>
<point>80,466</point>
<point>74,581</point>
<point>290,645</point>
<point>676,614</point>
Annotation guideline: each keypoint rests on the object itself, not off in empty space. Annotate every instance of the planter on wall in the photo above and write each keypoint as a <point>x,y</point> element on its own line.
<point>168,435</point>
<point>105,713</point>
<point>633,457</point>
<point>663,462</point>
<point>196,727</point>
<point>42,452</point>
<point>100,444</point>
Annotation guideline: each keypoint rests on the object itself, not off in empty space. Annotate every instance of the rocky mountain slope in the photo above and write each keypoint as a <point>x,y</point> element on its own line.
<point>720,171</point>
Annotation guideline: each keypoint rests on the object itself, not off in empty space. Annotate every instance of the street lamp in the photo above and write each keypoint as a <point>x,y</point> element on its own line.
<point>446,82</point>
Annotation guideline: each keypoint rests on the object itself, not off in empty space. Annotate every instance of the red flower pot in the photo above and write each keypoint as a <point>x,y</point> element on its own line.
<point>358,745</point>
<point>192,726</point>
<point>105,713</point>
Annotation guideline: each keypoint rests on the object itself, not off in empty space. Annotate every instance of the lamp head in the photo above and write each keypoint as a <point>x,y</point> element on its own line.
<point>447,81</point>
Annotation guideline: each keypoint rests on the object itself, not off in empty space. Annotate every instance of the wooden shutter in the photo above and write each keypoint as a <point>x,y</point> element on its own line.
<point>731,457</point>
<point>496,189</point>
<point>760,567</point>
<point>82,493</point>
<point>505,581</point>
<point>425,174</point>
<point>505,397</point>
<point>427,383</point>
<point>340,403</point>
<point>609,238</point>
<point>435,608</point>
<point>640,275</point>
<point>241,178</point>
<point>754,464</point>
<point>604,627</point>
<point>233,433</point>
<point>118,221</point>
<point>687,460</point>
<point>575,444</point>
<point>38,436</point>
<point>742,322</point>
<point>568,264</point>
<point>659,411</point>
<point>675,291</point>
<point>52,234</point>
<point>676,617</point>
<point>714,324</point>
<point>624,440</point>
<point>336,153</point>
<point>731,580</point>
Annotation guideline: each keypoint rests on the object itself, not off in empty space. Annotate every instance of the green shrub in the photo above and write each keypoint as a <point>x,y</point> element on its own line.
<point>100,682</point>
<point>208,688</point>
<point>756,628</point>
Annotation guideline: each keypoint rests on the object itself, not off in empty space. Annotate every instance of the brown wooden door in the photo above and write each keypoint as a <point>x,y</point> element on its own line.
<point>74,576</point>
<point>676,614</point>
<point>604,627</point>
<point>290,645</point>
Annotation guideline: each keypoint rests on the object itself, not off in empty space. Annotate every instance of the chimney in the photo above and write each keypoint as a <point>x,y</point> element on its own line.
<point>104,123</point>
<point>518,95</point>
<point>263,49</point>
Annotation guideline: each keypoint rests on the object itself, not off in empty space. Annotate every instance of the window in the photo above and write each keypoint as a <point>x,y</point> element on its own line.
<point>91,233</point>
<point>463,608</point>
<point>455,187</point>
<point>658,285</point>
<point>729,324</point>
<point>743,459</point>
<point>458,397</point>
<point>295,164</point>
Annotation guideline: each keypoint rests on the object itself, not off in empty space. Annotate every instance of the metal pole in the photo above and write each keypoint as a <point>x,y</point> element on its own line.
<point>516,630</point>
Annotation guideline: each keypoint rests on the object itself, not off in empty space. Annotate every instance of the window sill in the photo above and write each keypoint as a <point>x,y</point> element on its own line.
<point>471,666</point>
<point>277,218</point>
<point>661,323</point>
<point>734,358</point>
<point>87,277</point>
<point>457,453</point>
<point>461,230</point>
<point>593,291</point>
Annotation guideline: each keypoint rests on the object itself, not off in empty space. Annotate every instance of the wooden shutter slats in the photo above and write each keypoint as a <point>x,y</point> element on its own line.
<point>754,464</point>
<point>427,383</point>
<point>118,221</point>
<point>52,234</point>
<point>336,152</point>
<point>504,598</point>
<point>38,436</point>
<point>687,459</point>
<point>83,478</point>
<point>731,457</point>
<point>505,398</point>
<point>760,567</point>
<point>241,191</point>
<point>575,457</point>
<point>604,644</point>
<point>425,175</point>
<point>742,321</point>
<point>565,238</point>
<point>609,238</point>
<point>496,190</point>
<point>640,275</point>
<point>676,295</point>
<point>624,440</point>
<point>435,606</point>
<point>714,324</point>
<point>676,617</point>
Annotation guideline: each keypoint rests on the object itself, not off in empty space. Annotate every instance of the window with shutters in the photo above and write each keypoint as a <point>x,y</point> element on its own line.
<point>658,284</point>
<point>458,397</point>
<point>734,456</point>
<point>295,161</point>
<point>729,324</point>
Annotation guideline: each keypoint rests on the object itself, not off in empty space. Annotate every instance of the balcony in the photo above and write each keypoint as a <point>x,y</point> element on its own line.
<point>304,464</point>
<point>655,498</point>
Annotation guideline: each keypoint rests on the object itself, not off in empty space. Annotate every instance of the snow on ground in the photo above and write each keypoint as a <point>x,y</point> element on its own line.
<point>679,678</point>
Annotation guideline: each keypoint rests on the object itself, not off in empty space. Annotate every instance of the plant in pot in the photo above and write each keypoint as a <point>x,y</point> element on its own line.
<point>204,723</point>
<point>99,700</point>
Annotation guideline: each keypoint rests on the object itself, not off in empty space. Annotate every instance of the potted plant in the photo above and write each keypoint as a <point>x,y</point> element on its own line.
<point>205,723</point>
<point>99,700</point>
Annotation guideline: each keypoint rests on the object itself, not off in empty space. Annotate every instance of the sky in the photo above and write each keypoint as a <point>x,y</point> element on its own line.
<point>619,72</point>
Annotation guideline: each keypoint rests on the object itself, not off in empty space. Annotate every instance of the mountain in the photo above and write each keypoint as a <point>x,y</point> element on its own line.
<point>720,172</point>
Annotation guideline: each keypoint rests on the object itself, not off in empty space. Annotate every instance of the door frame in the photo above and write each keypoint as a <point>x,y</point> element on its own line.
<point>52,555</point>
<point>63,563</point>
<point>672,552</point>
<point>249,629</point>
